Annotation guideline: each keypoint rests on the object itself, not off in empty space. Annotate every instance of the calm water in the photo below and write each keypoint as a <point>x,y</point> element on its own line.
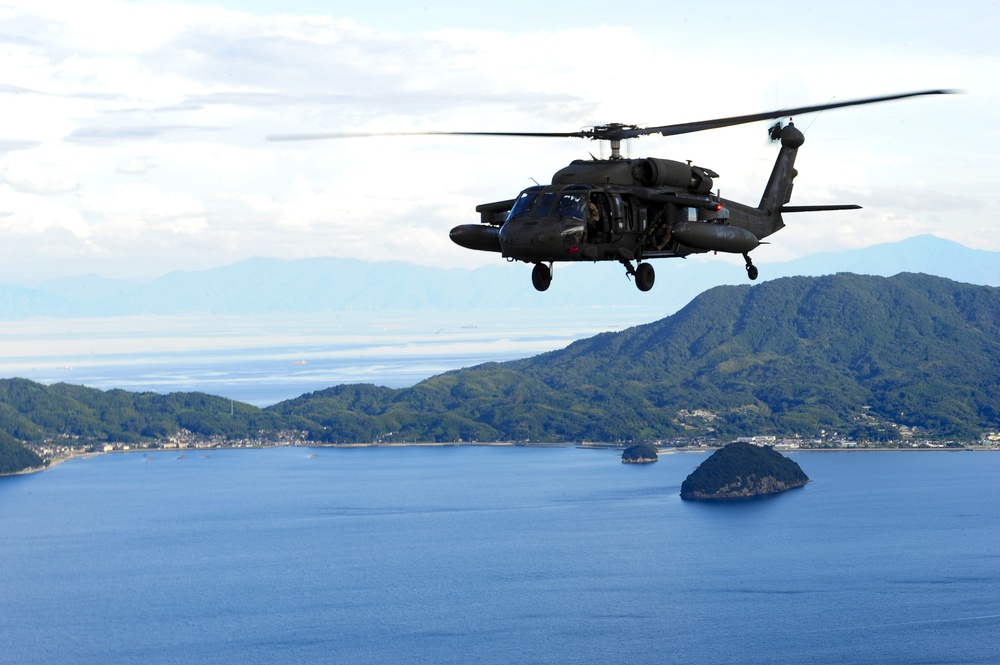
<point>263,360</point>
<point>496,555</point>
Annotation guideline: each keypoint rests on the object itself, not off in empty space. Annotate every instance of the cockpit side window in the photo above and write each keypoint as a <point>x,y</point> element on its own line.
<point>572,204</point>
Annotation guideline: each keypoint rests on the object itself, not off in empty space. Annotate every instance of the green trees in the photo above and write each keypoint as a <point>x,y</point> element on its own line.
<point>14,457</point>
<point>639,453</point>
<point>848,353</point>
<point>742,470</point>
<point>863,356</point>
<point>33,412</point>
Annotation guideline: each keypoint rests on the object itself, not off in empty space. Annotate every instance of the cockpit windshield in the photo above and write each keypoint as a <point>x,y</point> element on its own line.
<point>544,205</point>
<point>524,203</point>
<point>539,202</point>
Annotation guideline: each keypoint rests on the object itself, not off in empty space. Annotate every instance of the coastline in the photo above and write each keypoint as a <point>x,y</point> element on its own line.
<point>55,461</point>
<point>51,463</point>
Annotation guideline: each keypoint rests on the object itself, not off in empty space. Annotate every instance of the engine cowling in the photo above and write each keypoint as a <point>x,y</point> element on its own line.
<point>655,172</point>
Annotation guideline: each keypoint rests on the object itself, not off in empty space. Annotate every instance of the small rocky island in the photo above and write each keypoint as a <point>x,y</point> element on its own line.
<point>742,471</point>
<point>641,453</point>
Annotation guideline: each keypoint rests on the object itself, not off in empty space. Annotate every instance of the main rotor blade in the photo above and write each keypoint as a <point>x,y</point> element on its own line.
<point>618,132</point>
<point>701,125</point>
<point>350,135</point>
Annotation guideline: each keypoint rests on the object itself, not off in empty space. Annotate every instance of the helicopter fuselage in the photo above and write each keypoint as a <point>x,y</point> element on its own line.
<point>628,210</point>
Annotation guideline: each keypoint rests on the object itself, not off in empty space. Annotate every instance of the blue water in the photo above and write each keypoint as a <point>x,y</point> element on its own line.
<point>265,359</point>
<point>496,555</point>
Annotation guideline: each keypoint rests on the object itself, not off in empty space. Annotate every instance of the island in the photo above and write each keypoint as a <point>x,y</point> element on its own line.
<point>641,453</point>
<point>742,471</point>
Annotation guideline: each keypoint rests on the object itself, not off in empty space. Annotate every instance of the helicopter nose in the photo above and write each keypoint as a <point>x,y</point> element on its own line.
<point>537,240</point>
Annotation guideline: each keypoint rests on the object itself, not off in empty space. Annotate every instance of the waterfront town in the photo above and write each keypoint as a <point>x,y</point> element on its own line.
<point>55,450</point>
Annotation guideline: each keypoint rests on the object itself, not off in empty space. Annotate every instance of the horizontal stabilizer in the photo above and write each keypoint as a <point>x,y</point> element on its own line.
<point>847,206</point>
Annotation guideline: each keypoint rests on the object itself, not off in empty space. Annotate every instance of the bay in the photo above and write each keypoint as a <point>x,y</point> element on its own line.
<point>496,555</point>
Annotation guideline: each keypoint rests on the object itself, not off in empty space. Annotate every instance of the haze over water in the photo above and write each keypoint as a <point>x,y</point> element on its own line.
<point>263,360</point>
<point>496,555</point>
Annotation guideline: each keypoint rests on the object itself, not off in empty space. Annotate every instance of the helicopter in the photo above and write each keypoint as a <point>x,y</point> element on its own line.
<point>634,210</point>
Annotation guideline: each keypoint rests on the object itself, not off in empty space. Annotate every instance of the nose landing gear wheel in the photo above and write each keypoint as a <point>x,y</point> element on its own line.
<point>541,276</point>
<point>644,276</point>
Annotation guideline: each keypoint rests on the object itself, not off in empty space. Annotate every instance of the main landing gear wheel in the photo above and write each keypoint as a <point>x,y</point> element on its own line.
<point>751,268</point>
<point>644,276</point>
<point>541,276</point>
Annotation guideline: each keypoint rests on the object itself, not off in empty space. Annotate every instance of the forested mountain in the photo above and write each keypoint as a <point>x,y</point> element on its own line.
<point>862,355</point>
<point>868,357</point>
<point>15,457</point>
<point>34,413</point>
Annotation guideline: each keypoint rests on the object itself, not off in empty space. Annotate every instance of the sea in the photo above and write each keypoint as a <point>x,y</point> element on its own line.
<point>459,554</point>
<point>469,554</point>
<point>265,359</point>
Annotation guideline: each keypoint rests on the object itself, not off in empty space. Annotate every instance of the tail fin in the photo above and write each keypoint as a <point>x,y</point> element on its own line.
<point>779,186</point>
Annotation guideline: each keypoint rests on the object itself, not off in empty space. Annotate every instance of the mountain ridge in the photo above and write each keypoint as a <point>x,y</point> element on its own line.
<point>850,356</point>
<point>871,356</point>
<point>272,286</point>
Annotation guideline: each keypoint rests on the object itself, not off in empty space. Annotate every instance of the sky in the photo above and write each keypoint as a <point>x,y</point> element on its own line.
<point>132,134</point>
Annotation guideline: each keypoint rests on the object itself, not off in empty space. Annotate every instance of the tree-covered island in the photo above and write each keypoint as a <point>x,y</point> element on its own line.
<point>640,453</point>
<point>742,471</point>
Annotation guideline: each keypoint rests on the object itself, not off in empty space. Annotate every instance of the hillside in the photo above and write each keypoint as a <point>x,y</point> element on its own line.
<point>14,457</point>
<point>865,356</point>
<point>871,358</point>
<point>34,413</point>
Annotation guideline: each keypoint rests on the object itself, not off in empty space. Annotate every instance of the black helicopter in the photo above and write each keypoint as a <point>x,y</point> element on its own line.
<point>634,210</point>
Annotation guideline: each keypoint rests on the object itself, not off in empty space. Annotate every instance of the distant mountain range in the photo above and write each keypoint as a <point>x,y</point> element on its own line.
<point>270,286</point>
<point>865,357</point>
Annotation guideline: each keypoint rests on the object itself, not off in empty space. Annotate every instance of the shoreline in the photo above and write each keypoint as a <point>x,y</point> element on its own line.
<point>52,463</point>
<point>55,461</point>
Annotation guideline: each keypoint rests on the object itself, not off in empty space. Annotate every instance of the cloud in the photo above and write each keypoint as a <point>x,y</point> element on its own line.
<point>31,175</point>
<point>143,211</point>
<point>142,139</point>
<point>134,133</point>
<point>10,145</point>
<point>31,214</point>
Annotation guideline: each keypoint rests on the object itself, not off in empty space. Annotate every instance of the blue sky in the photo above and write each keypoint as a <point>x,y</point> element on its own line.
<point>132,133</point>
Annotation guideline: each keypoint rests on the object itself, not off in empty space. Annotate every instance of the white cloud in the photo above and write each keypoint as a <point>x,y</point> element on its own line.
<point>143,137</point>
<point>136,208</point>
<point>32,173</point>
<point>31,214</point>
